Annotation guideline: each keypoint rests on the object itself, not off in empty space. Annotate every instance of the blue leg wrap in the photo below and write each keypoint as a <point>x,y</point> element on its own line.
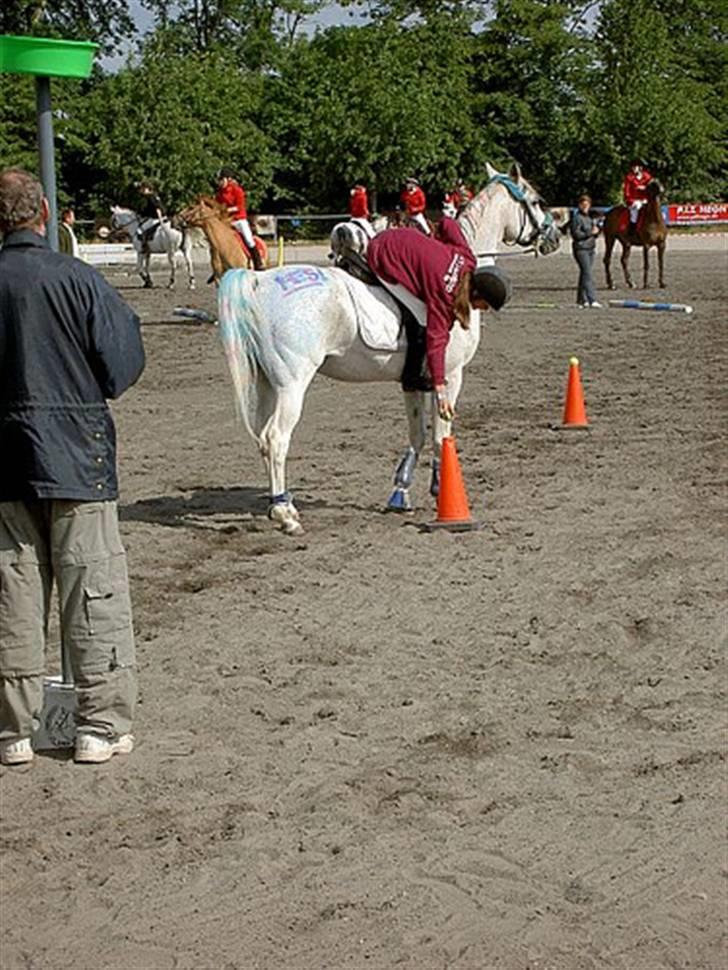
<point>405,472</point>
<point>283,499</point>
<point>399,501</point>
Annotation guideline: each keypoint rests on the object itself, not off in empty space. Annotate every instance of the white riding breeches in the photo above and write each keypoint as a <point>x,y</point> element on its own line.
<point>634,209</point>
<point>243,227</point>
<point>421,222</point>
<point>145,225</point>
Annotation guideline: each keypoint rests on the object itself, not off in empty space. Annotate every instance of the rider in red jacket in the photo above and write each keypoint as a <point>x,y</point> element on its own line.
<point>442,274</point>
<point>358,202</point>
<point>414,201</point>
<point>231,194</point>
<point>635,188</point>
<point>457,199</point>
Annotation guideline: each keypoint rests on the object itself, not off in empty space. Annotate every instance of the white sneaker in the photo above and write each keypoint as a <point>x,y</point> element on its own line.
<point>16,752</point>
<point>92,749</point>
<point>594,303</point>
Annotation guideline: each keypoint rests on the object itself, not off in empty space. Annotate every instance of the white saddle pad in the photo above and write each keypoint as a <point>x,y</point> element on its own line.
<point>378,315</point>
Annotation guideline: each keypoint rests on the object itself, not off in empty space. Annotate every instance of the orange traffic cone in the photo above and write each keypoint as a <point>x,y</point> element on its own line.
<point>574,410</point>
<point>453,511</point>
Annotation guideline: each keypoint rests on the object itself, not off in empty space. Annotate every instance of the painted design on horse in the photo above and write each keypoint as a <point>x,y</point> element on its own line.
<point>650,231</point>
<point>166,241</point>
<point>291,281</point>
<point>227,247</point>
<point>276,341</point>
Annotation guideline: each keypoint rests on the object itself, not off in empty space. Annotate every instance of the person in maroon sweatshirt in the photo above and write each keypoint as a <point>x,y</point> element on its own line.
<point>442,274</point>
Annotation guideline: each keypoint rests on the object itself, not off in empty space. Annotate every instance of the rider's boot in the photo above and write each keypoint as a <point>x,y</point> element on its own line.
<point>256,258</point>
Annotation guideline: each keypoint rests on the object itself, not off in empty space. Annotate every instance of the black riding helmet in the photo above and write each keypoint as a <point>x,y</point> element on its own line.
<point>492,285</point>
<point>226,173</point>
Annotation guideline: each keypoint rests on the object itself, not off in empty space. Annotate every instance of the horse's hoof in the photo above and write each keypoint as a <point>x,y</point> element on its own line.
<point>193,285</point>
<point>148,285</point>
<point>292,528</point>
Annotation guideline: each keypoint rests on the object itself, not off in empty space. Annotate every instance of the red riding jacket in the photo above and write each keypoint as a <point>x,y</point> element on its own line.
<point>358,203</point>
<point>635,186</point>
<point>233,195</point>
<point>413,200</point>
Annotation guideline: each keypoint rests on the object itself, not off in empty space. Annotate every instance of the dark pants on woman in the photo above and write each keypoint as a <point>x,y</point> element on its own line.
<point>585,292</point>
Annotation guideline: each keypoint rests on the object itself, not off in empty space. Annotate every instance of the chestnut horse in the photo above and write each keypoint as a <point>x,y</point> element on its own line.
<point>227,249</point>
<point>649,231</point>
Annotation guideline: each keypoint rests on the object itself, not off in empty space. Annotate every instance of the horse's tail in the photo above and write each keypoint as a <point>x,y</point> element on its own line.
<point>239,317</point>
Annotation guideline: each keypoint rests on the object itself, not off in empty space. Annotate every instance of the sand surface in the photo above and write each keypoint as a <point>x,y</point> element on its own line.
<point>375,747</point>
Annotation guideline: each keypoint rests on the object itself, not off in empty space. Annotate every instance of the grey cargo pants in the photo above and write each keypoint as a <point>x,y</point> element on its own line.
<point>77,545</point>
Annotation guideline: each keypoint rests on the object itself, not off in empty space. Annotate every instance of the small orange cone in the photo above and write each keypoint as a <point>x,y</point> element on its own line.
<point>574,410</point>
<point>453,511</point>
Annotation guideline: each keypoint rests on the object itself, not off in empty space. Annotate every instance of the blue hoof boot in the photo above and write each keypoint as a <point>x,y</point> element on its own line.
<point>399,501</point>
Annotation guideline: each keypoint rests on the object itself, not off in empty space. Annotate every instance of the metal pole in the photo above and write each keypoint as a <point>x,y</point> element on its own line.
<point>47,154</point>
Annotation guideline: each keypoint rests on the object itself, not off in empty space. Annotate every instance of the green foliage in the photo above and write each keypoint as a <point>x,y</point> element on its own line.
<point>175,120</point>
<point>650,105</point>
<point>569,88</point>
<point>256,32</point>
<point>534,99</point>
<point>371,103</point>
<point>105,21</point>
<point>17,122</point>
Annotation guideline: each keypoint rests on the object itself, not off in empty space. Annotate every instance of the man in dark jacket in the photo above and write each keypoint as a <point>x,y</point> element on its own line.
<point>67,343</point>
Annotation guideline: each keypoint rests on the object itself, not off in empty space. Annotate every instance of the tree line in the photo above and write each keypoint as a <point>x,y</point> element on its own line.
<point>570,89</point>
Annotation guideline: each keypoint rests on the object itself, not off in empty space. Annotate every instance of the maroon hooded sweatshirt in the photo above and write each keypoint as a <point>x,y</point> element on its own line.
<point>431,270</point>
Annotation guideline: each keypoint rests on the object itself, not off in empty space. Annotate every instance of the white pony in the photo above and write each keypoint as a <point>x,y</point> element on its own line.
<point>281,327</point>
<point>166,240</point>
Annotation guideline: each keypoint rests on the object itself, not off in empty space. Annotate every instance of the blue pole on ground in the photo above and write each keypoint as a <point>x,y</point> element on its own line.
<point>641,305</point>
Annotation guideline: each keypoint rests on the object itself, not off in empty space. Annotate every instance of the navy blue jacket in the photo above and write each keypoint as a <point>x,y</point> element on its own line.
<point>67,343</point>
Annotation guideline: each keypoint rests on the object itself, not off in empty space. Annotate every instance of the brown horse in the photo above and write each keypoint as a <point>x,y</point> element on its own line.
<point>649,231</point>
<point>227,249</point>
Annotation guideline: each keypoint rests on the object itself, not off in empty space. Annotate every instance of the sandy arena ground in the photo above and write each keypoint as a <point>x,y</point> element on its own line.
<point>375,747</point>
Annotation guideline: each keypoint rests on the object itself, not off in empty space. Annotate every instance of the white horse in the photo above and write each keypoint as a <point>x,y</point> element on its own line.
<point>166,240</point>
<point>281,327</point>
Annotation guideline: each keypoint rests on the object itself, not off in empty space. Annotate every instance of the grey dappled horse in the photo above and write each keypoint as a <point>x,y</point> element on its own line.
<point>166,241</point>
<point>281,327</point>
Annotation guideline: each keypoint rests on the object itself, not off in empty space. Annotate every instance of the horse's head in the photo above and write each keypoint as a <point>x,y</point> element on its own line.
<point>204,209</point>
<point>525,220</point>
<point>213,209</point>
<point>191,215</point>
<point>655,189</point>
<point>122,218</point>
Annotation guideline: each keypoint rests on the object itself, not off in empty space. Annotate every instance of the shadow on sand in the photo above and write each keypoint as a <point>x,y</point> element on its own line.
<point>218,504</point>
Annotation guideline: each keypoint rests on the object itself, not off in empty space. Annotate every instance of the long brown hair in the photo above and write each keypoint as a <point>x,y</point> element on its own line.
<point>461,303</point>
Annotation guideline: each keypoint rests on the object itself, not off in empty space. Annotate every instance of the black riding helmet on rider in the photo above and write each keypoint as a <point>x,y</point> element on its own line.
<point>491,284</point>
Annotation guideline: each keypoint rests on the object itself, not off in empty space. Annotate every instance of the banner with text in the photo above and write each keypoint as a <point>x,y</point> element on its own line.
<point>695,213</point>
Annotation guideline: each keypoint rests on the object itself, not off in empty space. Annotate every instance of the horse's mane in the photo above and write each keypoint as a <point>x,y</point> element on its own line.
<point>217,208</point>
<point>472,214</point>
